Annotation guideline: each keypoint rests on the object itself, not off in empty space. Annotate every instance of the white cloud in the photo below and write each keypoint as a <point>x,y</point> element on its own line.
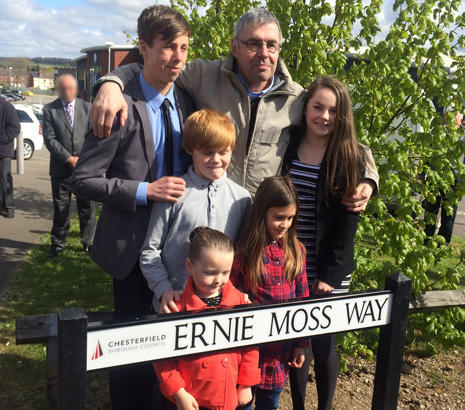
<point>29,28</point>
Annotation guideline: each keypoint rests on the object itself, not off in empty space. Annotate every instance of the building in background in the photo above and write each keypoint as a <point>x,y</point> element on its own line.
<point>81,75</point>
<point>58,71</point>
<point>18,79</point>
<point>98,61</point>
<point>41,80</point>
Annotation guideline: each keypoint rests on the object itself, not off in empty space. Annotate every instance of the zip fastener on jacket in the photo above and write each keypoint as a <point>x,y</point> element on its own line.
<point>244,92</point>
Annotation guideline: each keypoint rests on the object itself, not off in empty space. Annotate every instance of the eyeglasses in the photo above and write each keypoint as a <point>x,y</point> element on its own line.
<point>255,45</point>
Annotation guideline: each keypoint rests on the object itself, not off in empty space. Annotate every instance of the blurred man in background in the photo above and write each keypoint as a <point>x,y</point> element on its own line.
<point>10,128</point>
<point>66,123</point>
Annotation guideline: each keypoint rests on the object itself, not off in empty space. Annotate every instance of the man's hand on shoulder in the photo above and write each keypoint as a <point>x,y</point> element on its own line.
<point>107,104</point>
<point>166,189</point>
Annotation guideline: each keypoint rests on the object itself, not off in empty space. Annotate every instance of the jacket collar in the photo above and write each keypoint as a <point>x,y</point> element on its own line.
<point>153,97</point>
<point>193,302</point>
<point>72,103</point>
<point>134,91</point>
<point>286,85</point>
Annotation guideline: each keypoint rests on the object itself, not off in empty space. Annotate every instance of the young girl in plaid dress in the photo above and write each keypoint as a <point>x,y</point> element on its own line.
<point>270,267</point>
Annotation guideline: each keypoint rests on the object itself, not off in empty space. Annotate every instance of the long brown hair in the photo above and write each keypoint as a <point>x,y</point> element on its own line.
<point>344,156</point>
<point>277,191</point>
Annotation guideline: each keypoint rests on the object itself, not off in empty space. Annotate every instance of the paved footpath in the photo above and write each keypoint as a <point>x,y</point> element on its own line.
<point>459,226</point>
<point>33,214</point>
<point>34,211</point>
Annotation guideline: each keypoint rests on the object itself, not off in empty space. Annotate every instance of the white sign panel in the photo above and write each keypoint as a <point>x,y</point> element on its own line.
<point>177,335</point>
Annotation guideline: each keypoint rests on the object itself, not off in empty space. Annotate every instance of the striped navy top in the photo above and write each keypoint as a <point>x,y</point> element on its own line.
<point>305,178</point>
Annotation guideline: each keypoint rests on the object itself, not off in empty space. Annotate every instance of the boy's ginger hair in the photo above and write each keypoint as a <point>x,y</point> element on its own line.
<point>208,130</point>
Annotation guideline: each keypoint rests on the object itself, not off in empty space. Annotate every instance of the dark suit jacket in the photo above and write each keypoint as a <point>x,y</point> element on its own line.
<point>62,141</point>
<point>126,158</point>
<point>10,127</point>
<point>336,226</point>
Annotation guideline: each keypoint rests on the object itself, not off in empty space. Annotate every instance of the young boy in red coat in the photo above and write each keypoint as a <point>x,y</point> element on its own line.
<point>217,381</point>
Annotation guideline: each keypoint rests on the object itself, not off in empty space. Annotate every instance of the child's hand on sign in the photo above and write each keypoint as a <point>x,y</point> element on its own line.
<point>298,358</point>
<point>244,395</point>
<point>185,401</point>
<point>168,302</point>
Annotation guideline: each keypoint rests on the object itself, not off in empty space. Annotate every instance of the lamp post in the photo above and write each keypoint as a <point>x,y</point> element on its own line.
<point>109,44</point>
<point>11,80</point>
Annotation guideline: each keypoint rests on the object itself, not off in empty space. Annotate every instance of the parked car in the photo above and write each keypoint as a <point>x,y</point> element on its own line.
<point>37,107</point>
<point>5,97</point>
<point>18,94</point>
<point>31,128</point>
<point>40,116</point>
<point>27,92</point>
<point>14,97</point>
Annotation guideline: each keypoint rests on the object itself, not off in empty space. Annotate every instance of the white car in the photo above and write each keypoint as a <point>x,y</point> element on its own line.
<point>31,128</point>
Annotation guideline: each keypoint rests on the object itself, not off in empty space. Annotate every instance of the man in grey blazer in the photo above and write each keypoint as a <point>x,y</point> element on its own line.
<point>66,124</point>
<point>109,171</point>
<point>142,162</point>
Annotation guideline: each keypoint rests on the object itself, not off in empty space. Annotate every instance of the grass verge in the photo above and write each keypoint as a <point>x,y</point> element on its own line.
<point>41,286</point>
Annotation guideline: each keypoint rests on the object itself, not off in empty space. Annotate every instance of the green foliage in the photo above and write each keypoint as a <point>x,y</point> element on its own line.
<point>35,68</point>
<point>393,85</point>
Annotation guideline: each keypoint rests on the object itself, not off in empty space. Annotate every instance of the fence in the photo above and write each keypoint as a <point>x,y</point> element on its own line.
<point>78,342</point>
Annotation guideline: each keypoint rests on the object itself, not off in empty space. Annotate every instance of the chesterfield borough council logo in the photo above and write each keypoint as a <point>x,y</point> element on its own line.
<point>98,351</point>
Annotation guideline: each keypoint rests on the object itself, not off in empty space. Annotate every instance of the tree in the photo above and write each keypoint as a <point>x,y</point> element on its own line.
<point>397,83</point>
<point>34,68</point>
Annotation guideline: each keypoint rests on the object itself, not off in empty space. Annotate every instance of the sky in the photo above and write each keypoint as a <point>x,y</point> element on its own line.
<point>53,28</point>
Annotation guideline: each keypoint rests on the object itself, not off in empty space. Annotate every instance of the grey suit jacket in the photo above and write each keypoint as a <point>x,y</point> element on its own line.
<point>60,139</point>
<point>126,158</point>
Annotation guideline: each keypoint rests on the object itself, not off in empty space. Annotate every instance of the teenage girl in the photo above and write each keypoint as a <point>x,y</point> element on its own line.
<point>270,267</point>
<point>219,381</point>
<point>326,163</point>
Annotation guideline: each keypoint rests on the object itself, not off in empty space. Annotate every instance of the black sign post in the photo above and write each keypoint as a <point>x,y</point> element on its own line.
<point>391,346</point>
<point>72,349</point>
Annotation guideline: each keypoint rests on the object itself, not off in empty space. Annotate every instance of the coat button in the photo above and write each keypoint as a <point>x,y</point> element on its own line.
<point>225,362</point>
<point>206,363</point>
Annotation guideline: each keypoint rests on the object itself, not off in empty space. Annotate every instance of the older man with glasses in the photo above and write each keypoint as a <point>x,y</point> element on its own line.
<point>253,87</point>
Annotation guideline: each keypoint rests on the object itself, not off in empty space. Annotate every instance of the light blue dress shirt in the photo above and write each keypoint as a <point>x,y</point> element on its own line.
<point>253,95</point>
<point>154,101</point>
